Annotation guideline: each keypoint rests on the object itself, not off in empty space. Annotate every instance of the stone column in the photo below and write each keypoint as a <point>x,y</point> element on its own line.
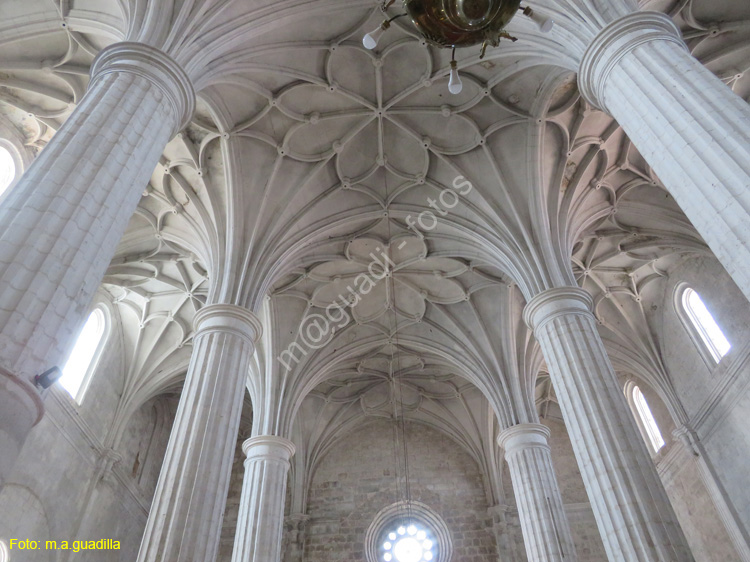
<point>261,521</point>
<point>544,524</point>
<point>688,125</point>
<point>633,513</point>
<point>60,225</point>
<point>184,524</point>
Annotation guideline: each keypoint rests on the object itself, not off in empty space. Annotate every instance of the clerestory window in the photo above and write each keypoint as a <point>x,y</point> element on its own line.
<point>703,325</point>
<point>646,420</point>
<point>82,361</point>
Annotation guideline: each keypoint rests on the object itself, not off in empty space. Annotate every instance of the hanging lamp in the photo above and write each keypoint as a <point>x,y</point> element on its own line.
<point>459,23</point>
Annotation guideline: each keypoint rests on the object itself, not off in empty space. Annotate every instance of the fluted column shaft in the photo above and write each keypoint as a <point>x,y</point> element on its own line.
<point>260,524</point>
<point>544,523</point>
<point>688,125</point>
<point>60,225</point>
<point>184,524</point>
<point>634,516</point>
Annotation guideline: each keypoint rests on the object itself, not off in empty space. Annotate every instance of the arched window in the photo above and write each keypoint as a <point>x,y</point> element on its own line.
<point>646,420</point>
<point>7,169</point>
<point>412,542</point>
<point>408,533</point>
<point>703,325</point>
<point>82,361</point>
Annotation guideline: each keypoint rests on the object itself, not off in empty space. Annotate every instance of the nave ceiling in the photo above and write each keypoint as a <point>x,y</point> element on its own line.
<point>308,152</point>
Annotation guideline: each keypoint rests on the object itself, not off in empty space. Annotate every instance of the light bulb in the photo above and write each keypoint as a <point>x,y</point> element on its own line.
<point>370,41</point>
<point>545,24</point>
<point>454,84</point>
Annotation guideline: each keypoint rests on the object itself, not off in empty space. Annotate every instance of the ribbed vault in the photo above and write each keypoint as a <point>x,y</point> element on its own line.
<point>308,152</point>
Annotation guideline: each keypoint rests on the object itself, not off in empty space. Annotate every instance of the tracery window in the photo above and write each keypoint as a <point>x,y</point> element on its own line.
<point>408,543</point>
<point>702,324</point>
<point>648,424</point>
<point>408,532</point>
<point>82,361</point>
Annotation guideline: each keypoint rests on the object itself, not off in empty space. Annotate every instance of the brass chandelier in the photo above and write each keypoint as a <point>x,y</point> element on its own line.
<point>458,23</point>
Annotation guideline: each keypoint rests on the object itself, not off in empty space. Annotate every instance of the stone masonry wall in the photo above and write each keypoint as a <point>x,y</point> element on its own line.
<point>357,479</point>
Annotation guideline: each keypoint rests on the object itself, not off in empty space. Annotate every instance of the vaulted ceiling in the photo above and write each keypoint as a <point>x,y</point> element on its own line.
<point>308,154</point>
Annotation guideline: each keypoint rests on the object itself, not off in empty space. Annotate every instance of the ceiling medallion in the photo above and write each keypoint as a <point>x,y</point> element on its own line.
<point>458,23</point>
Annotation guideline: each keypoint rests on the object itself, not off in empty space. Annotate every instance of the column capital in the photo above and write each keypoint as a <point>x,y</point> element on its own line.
<point>501,510</point>
<point>296,521</point>
<point>228,318</point>
<point>154,65</point>
<point>523,436</point>
<point>268,447</point>
<point>614,42</point>
<point>689,439</point>
<point>555,302</point>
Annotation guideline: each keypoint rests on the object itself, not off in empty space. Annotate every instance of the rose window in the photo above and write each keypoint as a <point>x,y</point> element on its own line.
<point>408,543</point>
